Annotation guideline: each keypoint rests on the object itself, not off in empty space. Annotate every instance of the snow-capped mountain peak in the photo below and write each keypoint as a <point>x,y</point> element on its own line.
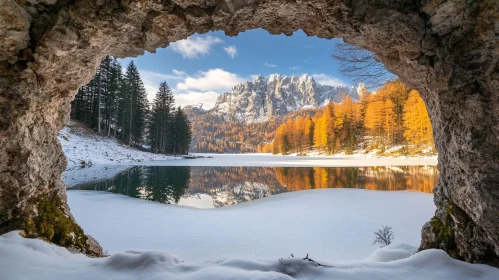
<point>277,95</point>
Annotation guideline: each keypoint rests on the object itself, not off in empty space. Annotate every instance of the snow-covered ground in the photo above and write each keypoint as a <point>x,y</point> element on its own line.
<point>34,259</point>
<point>330,224</point>
<point>82,144</point>
<point>292,161</point>
<point>244,241</point>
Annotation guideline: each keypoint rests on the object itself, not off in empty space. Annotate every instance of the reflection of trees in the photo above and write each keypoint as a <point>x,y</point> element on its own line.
<point>165,184</point>
<point>231,185</point>
<point>414,178</point>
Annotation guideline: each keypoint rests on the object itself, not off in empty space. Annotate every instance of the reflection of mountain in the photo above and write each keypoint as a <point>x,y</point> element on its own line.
<point>223,186</point>
<point>232,185</point>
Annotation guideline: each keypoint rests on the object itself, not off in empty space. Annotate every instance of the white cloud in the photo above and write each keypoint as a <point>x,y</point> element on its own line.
<point>152,79</point>
<point>177,75</point>
<point>216,79</point>
<point>324,79</point>
<point>178,72</point>
<point>193,47</point>
<point>269,65</point>
<point>205,87</point>
<point>151,88</point>
<point>295,68</point>
<point>208,98</point>
<point>253,77</point>
<point>231,51</point>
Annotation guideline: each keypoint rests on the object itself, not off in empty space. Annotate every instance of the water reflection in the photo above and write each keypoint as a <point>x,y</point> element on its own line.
<point>208,187</point>
<point>155,183</point>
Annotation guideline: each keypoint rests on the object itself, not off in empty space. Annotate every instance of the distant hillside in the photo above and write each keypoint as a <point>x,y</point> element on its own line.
<point>212,133</point>
<point>250,114</point>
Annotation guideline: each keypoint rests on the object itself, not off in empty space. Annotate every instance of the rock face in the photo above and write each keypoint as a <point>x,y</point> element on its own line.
<point>276,96</point>
<point>446,49</point>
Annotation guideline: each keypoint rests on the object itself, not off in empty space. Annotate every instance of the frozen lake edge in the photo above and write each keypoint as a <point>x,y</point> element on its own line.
<point>268,160</point>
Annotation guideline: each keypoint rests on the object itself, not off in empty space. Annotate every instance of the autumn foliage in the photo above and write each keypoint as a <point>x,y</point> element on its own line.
<point>214,134</point>
<point>393,116</point>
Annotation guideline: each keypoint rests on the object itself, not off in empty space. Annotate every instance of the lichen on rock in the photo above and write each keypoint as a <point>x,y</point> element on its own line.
<point>52,224</point>
<point>456,233</point>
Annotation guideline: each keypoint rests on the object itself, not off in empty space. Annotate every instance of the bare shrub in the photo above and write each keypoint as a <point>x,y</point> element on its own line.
<point>384,236</point>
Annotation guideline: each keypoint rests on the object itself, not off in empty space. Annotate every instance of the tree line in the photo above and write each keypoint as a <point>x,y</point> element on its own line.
<point>115,104</point>
<point>215,134</point>
<point>394,116</point>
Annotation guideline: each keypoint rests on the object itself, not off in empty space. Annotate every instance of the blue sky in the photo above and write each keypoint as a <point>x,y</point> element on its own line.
<point>201,67</point>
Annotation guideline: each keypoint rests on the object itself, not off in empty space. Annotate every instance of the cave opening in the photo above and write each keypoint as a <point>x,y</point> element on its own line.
<point>446,50</point>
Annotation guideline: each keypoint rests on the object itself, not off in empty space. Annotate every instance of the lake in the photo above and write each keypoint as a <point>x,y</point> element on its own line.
<point>254,206</point>
<point>219,186</point>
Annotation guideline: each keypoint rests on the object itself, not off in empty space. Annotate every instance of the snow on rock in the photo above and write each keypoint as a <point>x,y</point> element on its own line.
<point>276,96</point>
<point>82,146</point>
<point>35,259</point>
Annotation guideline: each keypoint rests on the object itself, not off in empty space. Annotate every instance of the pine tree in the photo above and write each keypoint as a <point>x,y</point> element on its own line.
<point>182,134</point>
<point>162,121</point>
<point>113,103</point>
<point>135,105</point>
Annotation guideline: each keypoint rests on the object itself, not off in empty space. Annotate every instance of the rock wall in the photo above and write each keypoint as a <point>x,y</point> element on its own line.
<point>446,49</point>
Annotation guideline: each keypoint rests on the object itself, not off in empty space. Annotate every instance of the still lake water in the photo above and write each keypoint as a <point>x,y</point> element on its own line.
<point>212,187</point>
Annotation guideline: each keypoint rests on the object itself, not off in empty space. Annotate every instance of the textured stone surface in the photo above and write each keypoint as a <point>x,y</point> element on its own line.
<point>446,49</point>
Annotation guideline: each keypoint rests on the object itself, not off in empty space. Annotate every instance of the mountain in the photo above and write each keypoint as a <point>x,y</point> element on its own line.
<point>248,116</point>
<point>274,96</point>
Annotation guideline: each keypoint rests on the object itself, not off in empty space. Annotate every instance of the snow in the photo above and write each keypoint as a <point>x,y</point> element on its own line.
<point>293,161</point>
<point>253,101</point>
<point>76,175</point>
<point>330,224</point>
<point>202,201</point>
<point>281,219</point>
<point>81,144</point>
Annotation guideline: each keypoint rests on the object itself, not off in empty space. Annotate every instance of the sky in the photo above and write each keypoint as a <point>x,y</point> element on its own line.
<point>201,67</point>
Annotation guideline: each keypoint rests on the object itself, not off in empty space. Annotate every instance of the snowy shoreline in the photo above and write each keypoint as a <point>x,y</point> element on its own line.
<point>292,161</point>
<point>83,147</point>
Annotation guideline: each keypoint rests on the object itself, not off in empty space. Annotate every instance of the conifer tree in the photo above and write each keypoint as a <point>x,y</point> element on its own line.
<point>182,135</point>
<point>116,104</point>
<point>162,120</point>
<point>372,123</point>
<point>135,105</point>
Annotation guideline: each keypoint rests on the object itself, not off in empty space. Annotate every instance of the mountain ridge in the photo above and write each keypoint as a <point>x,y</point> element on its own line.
<point>276,95</point>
